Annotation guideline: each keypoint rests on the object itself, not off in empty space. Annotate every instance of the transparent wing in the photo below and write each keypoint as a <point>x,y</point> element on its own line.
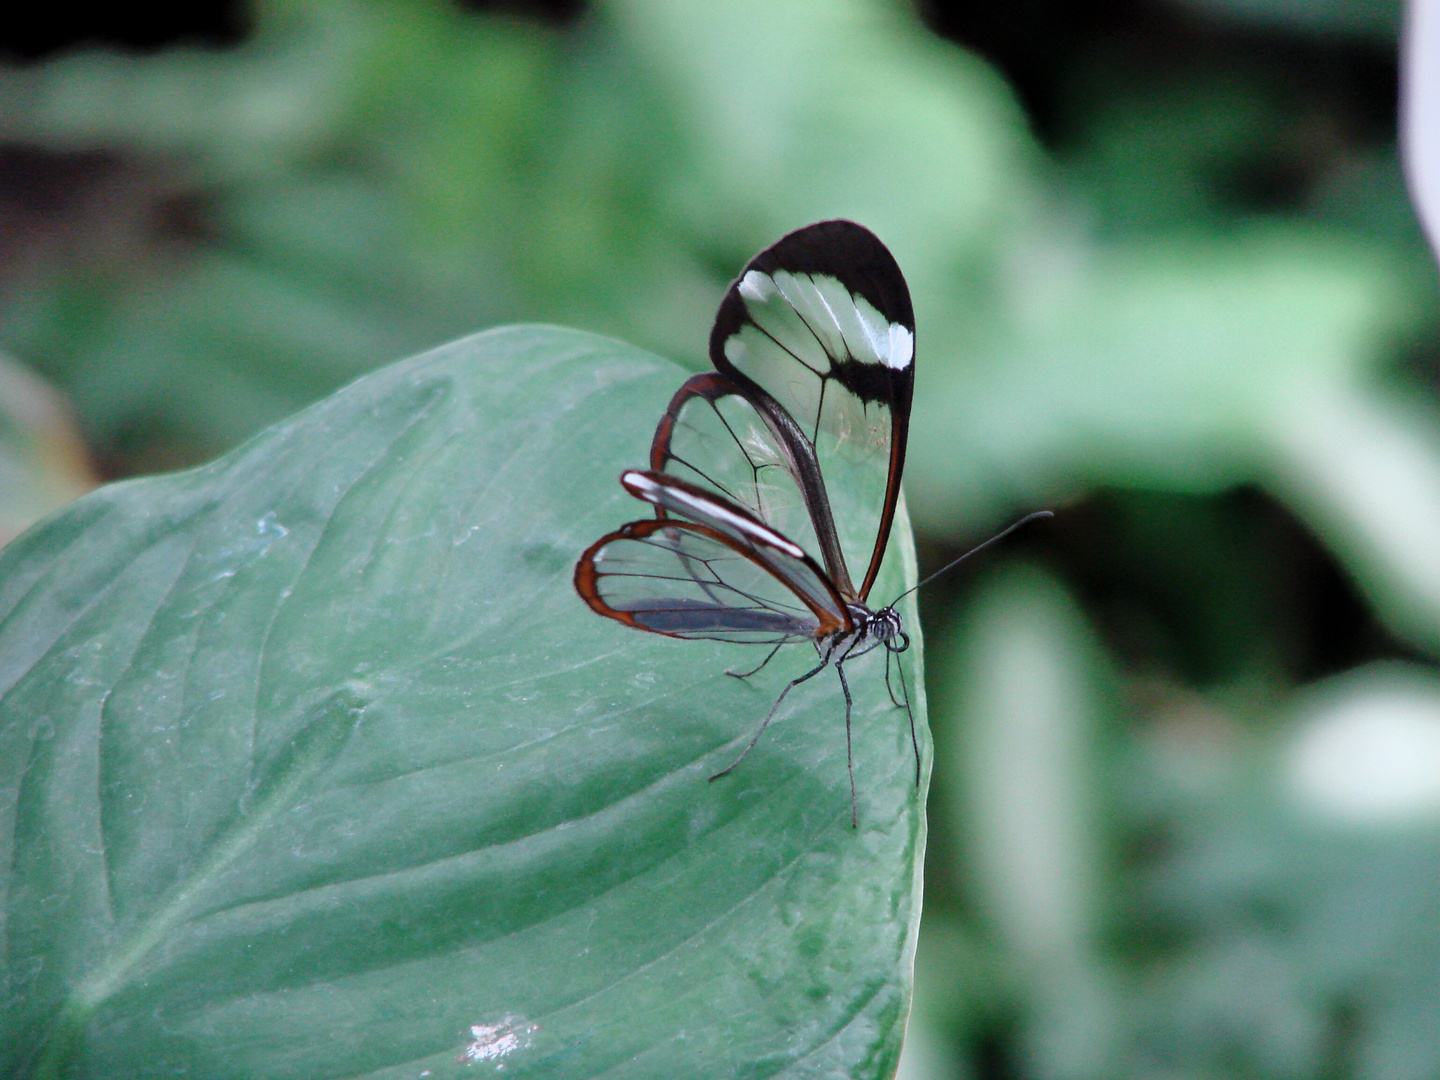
<point>819,328</point>
<point>686,580</point>
<point>712,436</point>
<point>777,553</point>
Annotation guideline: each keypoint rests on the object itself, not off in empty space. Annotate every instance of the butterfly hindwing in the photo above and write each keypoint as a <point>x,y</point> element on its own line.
<point>819,334</point>
<point>722,575</point>
<point>780,555</point>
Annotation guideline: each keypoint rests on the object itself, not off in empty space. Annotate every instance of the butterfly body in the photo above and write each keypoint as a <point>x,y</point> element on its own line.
<point>813,348</point>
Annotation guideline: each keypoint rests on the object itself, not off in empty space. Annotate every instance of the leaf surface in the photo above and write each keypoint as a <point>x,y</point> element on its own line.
<point>314,765</point>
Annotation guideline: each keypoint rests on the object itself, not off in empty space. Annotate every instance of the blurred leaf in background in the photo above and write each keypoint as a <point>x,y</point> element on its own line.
<point>356,180</point>
<point>1167,281</point>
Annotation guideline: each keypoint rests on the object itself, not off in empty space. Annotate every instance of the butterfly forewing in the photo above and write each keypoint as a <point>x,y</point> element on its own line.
<point>686,580</point>
<point>714,437</point>
<point>821,326</point>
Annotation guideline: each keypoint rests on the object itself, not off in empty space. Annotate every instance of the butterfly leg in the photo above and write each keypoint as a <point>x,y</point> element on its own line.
<point>890,689</point>
<point>849,755</point>
<point>771,715</point>
<point>755,670</point>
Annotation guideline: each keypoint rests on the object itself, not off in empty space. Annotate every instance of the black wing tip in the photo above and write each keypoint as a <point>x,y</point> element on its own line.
<point>831,231</point>
<point>850,252</point>
<point>837,247</point>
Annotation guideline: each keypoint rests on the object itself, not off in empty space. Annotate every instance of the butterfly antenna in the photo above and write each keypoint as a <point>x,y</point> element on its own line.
<point>1037,515</point>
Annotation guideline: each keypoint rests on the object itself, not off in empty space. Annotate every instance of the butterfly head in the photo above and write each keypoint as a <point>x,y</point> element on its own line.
<point>882,627</point>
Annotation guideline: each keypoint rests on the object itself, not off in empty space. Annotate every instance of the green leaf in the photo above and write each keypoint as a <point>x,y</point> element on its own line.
<point>1363,468</point>
<point>1291,874</point>
<point>1173,365</point>
<point>315,765</point>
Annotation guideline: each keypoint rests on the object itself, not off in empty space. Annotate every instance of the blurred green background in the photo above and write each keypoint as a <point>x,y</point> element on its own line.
<point>1185,819</point>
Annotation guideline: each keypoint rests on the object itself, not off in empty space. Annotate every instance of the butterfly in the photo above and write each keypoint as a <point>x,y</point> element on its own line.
<point>814,354</point>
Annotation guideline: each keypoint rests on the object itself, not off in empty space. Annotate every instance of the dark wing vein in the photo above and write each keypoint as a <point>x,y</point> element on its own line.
<point>686,579</point>
<point>791,352</point>
<point>717,582</point>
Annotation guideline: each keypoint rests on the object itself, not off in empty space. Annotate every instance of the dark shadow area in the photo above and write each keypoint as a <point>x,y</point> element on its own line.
<point>1052,49</point>
<point>40,31</point>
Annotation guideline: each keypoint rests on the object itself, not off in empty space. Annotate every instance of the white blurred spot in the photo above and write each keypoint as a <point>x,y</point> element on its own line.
<point>495,1042</point>
<point>1368,748</point>
<point>1420,111</point>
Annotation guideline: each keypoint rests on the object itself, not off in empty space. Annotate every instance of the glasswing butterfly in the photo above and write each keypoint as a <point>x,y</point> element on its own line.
<point>814,355</point>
